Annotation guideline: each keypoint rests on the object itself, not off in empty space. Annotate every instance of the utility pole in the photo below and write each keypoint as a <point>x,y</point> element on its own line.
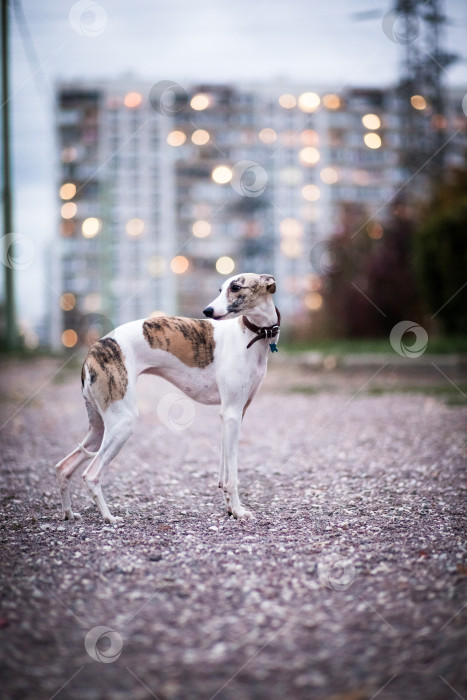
<point>11,333</point>
<point>421,87</point>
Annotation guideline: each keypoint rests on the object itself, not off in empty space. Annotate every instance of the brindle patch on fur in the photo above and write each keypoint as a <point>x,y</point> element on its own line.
<point>106,366</point>
<point>191,340</point>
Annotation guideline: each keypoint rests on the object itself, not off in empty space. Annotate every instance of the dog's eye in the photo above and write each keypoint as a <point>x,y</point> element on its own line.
<point>235,287</point>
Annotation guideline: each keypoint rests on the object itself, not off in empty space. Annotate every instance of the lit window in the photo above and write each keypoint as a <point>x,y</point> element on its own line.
<point>267,135</point>
<point>372,140</point>
<point>201,229</point>
<point>418,102</point>
<point>68,190</point>
<point>134,227</point>
<point>225,265</point>
<point>67,301</point>
<point>287,101</point>
<point>371,121</point>
<point>176,138</point>
<point>69,338</point>
<point>132,100</point>
<point>331,101</point>
<point>222,174</point>
<point>68,210</point>
<point>91,227</point>
<point>199,102</point>
<point>308,101</point>
<point>311,193</point>
<point>309,155</point>
<point>179,264</point>
<point>329,176</point>
<point>200,137</point>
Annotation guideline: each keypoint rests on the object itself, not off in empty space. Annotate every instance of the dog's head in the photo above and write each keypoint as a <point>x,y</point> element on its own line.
<point>240,293</point>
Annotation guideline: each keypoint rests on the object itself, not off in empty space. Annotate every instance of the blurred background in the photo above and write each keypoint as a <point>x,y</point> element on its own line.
<point>152,149</point>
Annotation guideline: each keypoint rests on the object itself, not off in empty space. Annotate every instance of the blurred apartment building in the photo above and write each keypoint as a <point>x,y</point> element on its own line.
<point>166,190</point>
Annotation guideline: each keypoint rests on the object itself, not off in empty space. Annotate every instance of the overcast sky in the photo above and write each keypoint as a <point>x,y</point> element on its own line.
<point>334,43</point>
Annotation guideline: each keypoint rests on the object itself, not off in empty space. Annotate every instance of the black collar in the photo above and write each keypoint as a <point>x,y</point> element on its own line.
<point>265,331</point>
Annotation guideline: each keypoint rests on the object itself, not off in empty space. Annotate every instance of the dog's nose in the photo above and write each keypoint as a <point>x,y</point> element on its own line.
<point>208,311</point>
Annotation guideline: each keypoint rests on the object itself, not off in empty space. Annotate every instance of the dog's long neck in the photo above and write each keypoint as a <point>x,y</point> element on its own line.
<point>264,314</point>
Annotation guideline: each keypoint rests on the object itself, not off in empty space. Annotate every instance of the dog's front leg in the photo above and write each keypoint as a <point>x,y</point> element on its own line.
<point>231,423</point>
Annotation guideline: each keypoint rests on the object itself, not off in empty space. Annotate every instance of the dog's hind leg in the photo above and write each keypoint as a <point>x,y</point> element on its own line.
<point>67,467</point>
<point>119,422</point>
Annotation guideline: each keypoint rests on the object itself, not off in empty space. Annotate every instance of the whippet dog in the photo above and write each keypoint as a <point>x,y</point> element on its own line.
<point>218,360</point>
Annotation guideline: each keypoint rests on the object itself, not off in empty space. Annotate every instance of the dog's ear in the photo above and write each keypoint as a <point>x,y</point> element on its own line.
<point>269,282</point>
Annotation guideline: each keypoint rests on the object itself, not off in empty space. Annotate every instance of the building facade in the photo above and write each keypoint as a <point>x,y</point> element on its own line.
<point>165,190</point>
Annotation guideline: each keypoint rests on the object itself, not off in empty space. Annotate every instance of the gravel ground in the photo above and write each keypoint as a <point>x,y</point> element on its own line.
<point>350,584</point>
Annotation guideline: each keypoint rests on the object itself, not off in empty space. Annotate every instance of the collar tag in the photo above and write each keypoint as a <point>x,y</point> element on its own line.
<point>273,347</point>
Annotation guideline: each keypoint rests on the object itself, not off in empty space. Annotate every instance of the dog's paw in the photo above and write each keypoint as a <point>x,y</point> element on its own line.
<point>113,519</point>
<point>69,515</point>
<point>243,514</point>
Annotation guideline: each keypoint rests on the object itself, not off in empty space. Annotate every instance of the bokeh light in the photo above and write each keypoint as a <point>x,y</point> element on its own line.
<point>371,121</point>
<point>132,100</point>
<point>69,338</point>
<point>67,301</point>
<point>176,138</point>
<point>309,102</point>
<point>267,135</point>
<point>331,101</point>
<point>372,140</point>
<point>91,227</point>
<point>199,102</point>
<point>68,210</point>
<point>291,248</point>
<point>329,176</point>
<point>134,227</point>
<point>222,174</point>
<point>418,102</point>
<point>311,193</point>
<point>179,264</point>
<point>309,137</point>
<point>287,101</point>
<point>309,155</point>
<point>67,190</point>
<point>201,229</point>
<point>291,227</point>
<point>313,301</point>
<point>225,265</point>
<point>200,137</point>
